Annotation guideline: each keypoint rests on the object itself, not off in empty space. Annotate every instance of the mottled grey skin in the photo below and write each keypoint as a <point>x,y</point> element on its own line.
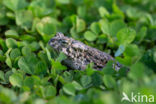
<point>80,55</point>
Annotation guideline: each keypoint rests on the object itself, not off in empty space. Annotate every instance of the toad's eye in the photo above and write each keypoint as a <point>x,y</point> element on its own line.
<point>64,41</point>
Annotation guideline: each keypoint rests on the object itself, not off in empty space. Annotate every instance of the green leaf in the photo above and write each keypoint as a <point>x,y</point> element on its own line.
<point>141,35</point>
<point>23,65</point>
<point>132,50</point>
<point>136,71</point>
<point>11,43</point>
<point>61,57</point>
<point>42,55</point>
<point>102,39</point>
<point>40,68</point>
<point>3,18</point>
<point>27,63</point>
<point>48,54</point>
<point>154,56</point>
<point>67,76</point>
<point>78,2</point>
<point>109,81</point>
<point>73,33</point>
<point>117,10</point>
<point>24,19</point>
<point>90,36</point>
<point>89,69</point>
<point>104,25</point>
<point>16,79</point>
<point>31,81</point>
<point>127,60</point>
<point>2,57</point>
<point>96,79</point>
<point>58,66</point>
<point>63,1</point>
<point>86,81</point>
<point>10,15</point>
<point>26,51</point>
<point>7,75</point>
<point>24,96</point>
<point>108,69</point>
<point>115,26</point>
<point>34,46</point>
<point>15,5</point>
<point>46,28</point>
<point>7,95</point>
<point>41,8</point>
<point>49,91</point>
<point>11,34</point>
<point>80,25</point>
<point>95,27</point>
<point>27,37</point>
<point>111,28</point>
<point>63,100</point>
<point>3,44</point>
<point>2,77</point>
<point>77,85</point>
<point>103,12</point>
<point>69,89</point>
<point>125,36</point>
<point>15,53</point>
<point>8,62</point>
<point>134,13</point>
<point>1,52</point>
<point>81,10</point>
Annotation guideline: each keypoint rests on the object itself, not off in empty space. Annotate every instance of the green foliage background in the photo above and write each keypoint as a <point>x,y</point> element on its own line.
<point>32,73</point>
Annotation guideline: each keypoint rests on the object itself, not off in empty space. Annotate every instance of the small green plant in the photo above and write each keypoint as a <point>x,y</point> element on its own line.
<point>31,72</point>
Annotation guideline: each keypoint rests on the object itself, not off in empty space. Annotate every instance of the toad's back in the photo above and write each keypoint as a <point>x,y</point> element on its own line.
<point>80,55</point>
